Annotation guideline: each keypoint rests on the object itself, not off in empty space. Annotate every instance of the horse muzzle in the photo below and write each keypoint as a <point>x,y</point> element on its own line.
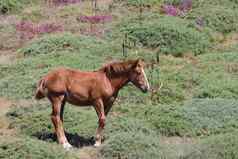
<point>144,89</point>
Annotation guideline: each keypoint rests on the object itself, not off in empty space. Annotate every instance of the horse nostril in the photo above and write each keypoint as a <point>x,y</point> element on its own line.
<point>144,89</point>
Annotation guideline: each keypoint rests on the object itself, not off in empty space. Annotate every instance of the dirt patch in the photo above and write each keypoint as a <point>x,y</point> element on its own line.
<point>106,2</point>
<point>229,41</point>
<point>177,140</point>
<point>4,106</point>
<point>7,59</point>
<point>89,153</point>
<point>177,147</point>
<point>4,123</point>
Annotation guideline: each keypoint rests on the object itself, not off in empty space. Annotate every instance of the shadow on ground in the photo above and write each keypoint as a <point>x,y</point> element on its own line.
<point>74,139</point>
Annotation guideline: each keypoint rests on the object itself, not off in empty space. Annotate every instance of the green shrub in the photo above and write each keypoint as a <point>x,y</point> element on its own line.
<point>9,5</point>
<point>127,124</point>
<point>217,78</point>
<point>194,118</point>
<point>224,87</point>
<point>171,35</point>
<point>219,18</point>
<point>216,147</point>
<point>169,121</point>
<point>131,145</point>
<point>66,41</point>
<point>164,119</point>
<point>25,147</point>
<point>211,116</point>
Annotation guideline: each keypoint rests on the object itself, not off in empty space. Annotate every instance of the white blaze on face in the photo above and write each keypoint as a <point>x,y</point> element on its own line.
<point>147,83</point>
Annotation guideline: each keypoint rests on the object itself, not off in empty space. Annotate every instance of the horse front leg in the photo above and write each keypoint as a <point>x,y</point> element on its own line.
<point>99,107</point>
<point>109,104</point>
<point>57,119</point>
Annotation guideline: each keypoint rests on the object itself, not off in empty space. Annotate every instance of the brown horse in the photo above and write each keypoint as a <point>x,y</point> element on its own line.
<point>99,89</point>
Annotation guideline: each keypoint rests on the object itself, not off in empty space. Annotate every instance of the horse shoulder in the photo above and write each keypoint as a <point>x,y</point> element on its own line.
<point>106,86</point>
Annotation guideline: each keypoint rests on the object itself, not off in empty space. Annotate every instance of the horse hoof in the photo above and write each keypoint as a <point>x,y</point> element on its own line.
<point>67,146</point>
<point>97,144</point>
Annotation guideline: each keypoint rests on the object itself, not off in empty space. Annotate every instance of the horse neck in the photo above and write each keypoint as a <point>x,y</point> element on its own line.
<point>118,82</point>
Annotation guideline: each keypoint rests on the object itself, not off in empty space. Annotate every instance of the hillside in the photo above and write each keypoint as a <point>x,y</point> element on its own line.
<point>190,48</point>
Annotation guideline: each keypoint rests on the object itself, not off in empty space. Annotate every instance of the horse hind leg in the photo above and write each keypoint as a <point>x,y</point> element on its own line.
<point>57,119</point>
<point>62,111</point>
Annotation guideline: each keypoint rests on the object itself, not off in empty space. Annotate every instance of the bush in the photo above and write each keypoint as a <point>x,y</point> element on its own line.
<point>196,117</point>
<point>211,116</point>
<point>59,42</point>
<point>127,124</point>
<point>131,145</point>
<point>169,121</point>
<point>166,120</point>
<point>219,18</point>
<point>217,147</point>
<point>224,87</point>
<point>171,35</point>
<point>218,79</point>
<point>7,6</point>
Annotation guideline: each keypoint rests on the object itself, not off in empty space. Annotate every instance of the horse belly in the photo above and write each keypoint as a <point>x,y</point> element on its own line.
<point>78,100</point>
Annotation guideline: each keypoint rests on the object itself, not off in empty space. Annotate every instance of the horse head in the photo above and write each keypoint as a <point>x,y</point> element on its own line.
<point>138,77</point>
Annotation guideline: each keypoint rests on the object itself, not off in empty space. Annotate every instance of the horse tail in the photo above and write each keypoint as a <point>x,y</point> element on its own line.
<point>40,91</point>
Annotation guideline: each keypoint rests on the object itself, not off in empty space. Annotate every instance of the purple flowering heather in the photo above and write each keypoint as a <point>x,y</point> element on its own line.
<point>185,5</point>
<point>28,29</point>
<point>178,10</point>
<point>65,2</point>
<point>170,10</point>
<point>95,19</point>
<point>48,28</point>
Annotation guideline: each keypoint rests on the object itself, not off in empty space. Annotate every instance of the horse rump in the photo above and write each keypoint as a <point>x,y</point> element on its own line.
<point>40,90</point>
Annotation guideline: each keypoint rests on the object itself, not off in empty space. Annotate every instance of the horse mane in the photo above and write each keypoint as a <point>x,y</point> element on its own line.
<point>113,69</point>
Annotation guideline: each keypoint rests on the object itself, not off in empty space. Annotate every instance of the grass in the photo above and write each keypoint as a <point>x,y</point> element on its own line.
<point>217,147</point>
<point>211,116</point>
<point>14,148</point>
<point>131,145</point>
<point>198,117</point>
<point>35,120</point>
